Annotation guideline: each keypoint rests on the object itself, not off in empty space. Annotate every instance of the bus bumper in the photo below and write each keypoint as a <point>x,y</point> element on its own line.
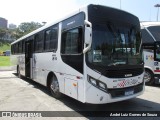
<point>96,96</point>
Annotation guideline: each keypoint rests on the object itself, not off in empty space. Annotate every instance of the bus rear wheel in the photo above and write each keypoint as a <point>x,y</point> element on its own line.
<point>148,77</point>
<point>54,88</point>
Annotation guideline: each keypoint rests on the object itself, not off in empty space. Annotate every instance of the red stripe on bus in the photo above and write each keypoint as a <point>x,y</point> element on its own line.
<point>156,70</point>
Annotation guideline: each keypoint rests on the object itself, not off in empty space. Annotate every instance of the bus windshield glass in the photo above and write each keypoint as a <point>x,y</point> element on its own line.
<point>158,51</point>
<point>155,31</point>
<point>114,45</point>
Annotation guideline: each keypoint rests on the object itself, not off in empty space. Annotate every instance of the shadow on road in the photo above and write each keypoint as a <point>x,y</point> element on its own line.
<point>156,85</point>
<point>136,104</point>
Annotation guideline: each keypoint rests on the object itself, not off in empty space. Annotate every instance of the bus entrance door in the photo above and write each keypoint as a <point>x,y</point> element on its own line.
<point>28,58</point>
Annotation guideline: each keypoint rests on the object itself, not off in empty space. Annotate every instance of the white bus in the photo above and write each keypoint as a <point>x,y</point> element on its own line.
<point>151,49</point>
<point>82,55</point>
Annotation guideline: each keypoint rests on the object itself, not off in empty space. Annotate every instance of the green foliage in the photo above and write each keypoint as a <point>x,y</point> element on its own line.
<point>6,34</point>
<point>4,47</point>
<point>23,29</point>
<point>27,27</point>
<point>5,61</point>
<point>2,33</point>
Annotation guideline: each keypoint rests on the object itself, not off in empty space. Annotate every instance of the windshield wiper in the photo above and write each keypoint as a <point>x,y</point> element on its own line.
<point>116,64</point>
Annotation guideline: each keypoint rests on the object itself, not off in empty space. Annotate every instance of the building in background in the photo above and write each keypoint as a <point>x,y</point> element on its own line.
<point>3,23</point>
<point>12,26</point>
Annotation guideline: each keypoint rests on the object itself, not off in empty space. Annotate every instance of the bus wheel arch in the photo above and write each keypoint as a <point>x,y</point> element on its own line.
<point>53,85</point>
<point>148,77</point>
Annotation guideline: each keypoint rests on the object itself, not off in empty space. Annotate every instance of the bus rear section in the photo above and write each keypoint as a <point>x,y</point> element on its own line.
<point>151,51</point>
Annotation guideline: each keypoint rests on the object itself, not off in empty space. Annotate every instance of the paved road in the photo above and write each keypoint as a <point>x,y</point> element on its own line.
<point>26,95</point>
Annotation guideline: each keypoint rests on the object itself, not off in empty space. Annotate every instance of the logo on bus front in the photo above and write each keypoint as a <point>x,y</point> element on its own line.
<point>126,83</point>
<point>128,75</point>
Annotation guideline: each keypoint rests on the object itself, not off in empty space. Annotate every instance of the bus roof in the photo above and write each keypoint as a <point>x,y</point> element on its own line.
<point>150,32</point>
<point>148,24</point>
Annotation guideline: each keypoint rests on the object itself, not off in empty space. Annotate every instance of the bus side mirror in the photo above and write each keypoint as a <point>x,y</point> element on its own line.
<point>88,36</point>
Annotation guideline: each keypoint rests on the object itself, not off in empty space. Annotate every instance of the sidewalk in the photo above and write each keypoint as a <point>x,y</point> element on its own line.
<point>7,68</point>
<point>7,74</point>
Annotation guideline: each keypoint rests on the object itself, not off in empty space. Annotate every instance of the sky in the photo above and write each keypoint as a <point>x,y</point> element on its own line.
<point>18,11</point>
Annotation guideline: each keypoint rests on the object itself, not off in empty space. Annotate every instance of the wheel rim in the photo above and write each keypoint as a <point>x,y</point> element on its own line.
<point>54,87</point>
<point>147,76</point>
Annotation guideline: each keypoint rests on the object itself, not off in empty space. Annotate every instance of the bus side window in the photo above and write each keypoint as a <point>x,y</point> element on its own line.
<point>23,46</point>
<point>12,49</point>
<point>158,53</point>
<point>47,40</point>
<point>16,48</point>
<point>51,39</point>
<point>72,41</point>
<point>54,38</point>
<point>39,42</point>
<point>20,47</point>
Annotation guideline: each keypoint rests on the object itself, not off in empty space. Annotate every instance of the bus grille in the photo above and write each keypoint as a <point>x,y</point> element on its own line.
<point>123,73</point>
<point>120,92</point>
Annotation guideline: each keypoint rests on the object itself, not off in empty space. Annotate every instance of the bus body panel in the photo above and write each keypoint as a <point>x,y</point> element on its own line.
<point>150,41</point>
<point>134,85</point>
<point>149,60</point>
<point>14,61</point>
<point>19,61</point>
<point>101,97</point>
<point>157,72</point>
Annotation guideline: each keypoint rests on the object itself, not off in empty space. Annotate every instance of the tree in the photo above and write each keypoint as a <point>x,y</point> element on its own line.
<point>17,33</point>
<point>27,27</point>
<point>2,33</point>
<point>23,29</point>
<point>6,35</point>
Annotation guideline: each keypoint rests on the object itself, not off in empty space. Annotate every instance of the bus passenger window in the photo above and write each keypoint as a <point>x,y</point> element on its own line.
<point>51,39</point>
<point>72,41</point>
<point>158,53</point>
<point>39,42</point>
<point>47,40</point>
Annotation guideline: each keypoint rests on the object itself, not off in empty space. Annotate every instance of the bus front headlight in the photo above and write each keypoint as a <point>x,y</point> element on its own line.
<point>97,84</point>
<point>93,81</point>
<point>102,85</point>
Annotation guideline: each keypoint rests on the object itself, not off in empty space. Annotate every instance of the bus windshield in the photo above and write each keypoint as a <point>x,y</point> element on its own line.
<point>115,45</point>
<point>155,32</point>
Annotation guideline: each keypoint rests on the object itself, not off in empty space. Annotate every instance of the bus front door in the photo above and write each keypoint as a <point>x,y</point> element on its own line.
<point>28,58</point>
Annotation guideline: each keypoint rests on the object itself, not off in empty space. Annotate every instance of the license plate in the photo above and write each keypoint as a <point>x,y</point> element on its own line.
<point>130,92</point>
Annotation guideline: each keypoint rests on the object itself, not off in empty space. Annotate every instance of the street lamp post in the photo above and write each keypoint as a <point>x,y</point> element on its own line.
<point>157,5</point>
<point>120,4</point>
<point>44,23</point>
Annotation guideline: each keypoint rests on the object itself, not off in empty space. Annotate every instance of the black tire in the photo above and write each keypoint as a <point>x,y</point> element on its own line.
<point>54,88</point>
<point>148,77</point>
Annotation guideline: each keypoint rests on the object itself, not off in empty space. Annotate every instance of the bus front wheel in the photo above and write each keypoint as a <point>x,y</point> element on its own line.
<point>148,77</point>
<point>54,88</point>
